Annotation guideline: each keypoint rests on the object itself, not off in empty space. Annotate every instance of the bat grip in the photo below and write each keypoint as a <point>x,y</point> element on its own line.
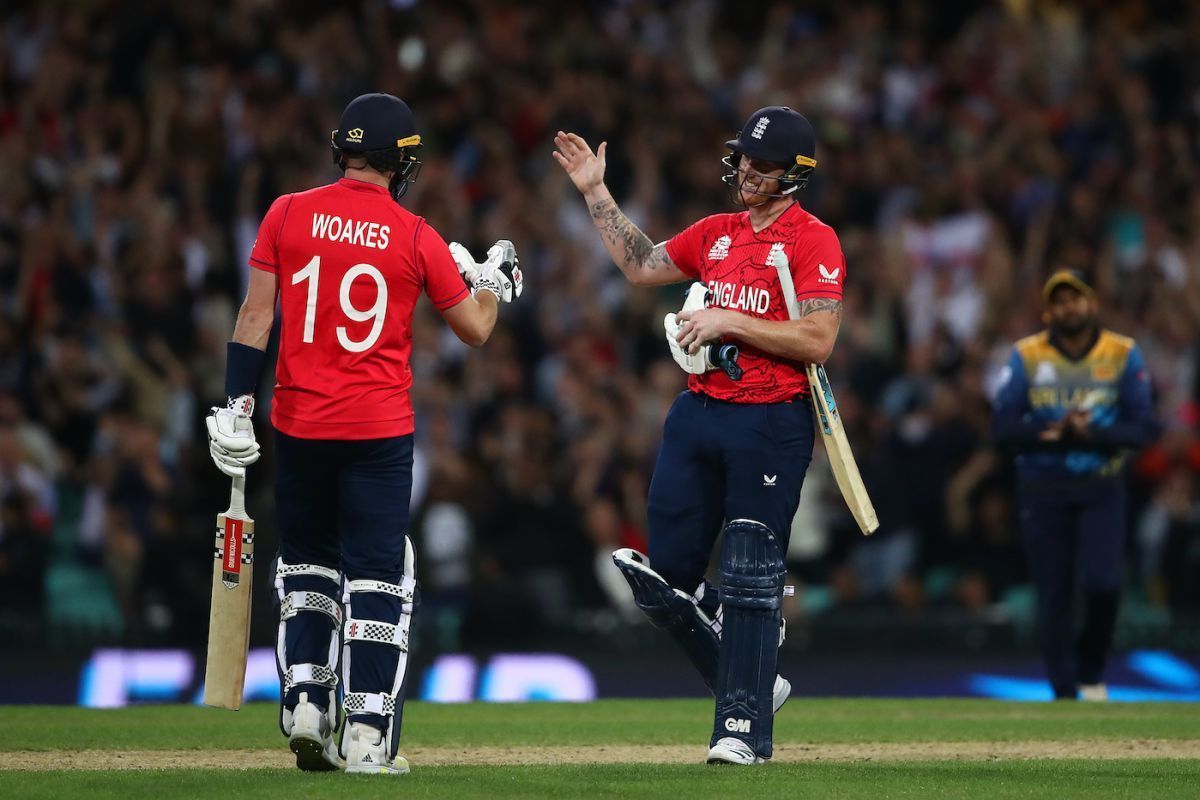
<point>237,498</point>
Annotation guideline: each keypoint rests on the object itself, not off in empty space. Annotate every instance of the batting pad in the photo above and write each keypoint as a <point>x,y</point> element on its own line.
<point>375,649</point>
<point>306,646</point>
<point>752,575</point>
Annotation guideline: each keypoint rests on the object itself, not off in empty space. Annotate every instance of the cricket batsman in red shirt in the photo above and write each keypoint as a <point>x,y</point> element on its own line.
<point>347,264</point>
<point>736,444</point>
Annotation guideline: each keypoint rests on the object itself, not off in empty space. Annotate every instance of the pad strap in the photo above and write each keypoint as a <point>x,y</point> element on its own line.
<point>296,602</point>
<point>404,591</point>
<point>367,703</point>
<point>309,673</point>
<point>289,570</point>
<point>707,600</point>
<point>369,630</point>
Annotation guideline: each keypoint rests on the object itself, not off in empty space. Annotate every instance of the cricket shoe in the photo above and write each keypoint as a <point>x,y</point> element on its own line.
<point>780,694</point>
<point>1093,692</point>
<point>368,753</point>
<point>728,750</point>
<point>310,737</point>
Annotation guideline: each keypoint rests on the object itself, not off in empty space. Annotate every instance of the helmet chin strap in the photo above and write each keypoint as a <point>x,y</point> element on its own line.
<point>741,187</point>
<point>773,195</point>
<point>398,186</point>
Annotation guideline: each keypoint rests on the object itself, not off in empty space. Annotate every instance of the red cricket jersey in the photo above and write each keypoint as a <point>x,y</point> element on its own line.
<point>725,253</point>
<point>351,264</point>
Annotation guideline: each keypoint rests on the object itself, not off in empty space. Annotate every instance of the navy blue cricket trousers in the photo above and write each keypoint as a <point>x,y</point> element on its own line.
<point>721,461</point>
<point>1074,536</point>
<point>344,505</point>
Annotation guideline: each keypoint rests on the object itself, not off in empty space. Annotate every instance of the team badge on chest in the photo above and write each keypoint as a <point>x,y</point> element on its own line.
<point>720,249</point>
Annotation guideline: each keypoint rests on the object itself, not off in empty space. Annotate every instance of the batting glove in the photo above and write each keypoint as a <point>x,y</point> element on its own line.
<point>500,274</point>
<point>692,363</point>
<point>466,264</point>
<point>231,436</point>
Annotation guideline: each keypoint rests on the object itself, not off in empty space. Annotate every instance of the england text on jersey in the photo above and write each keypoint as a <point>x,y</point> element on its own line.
<point>740,297</point>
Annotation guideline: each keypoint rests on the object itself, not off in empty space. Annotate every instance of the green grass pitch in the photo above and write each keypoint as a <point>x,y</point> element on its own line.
<point>825,748</point>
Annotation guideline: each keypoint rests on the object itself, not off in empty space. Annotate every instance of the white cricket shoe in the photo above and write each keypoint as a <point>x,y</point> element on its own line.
<point>733,751</point>
<point>368,752</point>
<point>311,738</point>
<point>780,694</point>
<point>1094,692</point>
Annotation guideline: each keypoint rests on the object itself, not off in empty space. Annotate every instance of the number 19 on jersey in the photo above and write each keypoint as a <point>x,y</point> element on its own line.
<point>375,314</point>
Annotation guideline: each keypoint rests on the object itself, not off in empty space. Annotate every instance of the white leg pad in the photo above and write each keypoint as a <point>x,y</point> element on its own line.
<point>295,602</point>
<point>379,632</point>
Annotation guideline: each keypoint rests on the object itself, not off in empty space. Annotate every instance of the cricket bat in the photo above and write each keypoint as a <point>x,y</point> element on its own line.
<point>229,617</point>
<point>837,447</point>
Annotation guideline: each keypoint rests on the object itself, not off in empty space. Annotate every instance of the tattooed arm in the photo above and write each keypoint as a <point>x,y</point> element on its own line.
<point>643,262</point>
<point>809,338</point>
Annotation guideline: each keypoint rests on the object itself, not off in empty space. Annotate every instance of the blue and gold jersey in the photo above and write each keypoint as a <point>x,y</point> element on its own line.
<point>1043,384</point>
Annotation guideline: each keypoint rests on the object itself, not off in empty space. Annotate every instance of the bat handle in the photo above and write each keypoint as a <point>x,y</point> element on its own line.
<point>237,498</point>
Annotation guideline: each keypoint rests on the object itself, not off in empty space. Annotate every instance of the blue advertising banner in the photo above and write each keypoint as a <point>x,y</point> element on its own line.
<point>115,677</point>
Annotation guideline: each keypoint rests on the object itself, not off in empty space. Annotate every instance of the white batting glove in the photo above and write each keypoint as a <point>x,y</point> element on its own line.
<point>692,363</point>
<point>504,269</point>
<point>466,264</point>
<point>499,274</point>
<point>231,436</point>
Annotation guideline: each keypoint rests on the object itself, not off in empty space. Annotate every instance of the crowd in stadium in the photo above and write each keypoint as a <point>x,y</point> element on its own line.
<point>964,151</point>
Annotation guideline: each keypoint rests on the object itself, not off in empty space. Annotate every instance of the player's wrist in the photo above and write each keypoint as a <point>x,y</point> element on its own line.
<point>485,287</point>
<point>242,404</point>
<point>243,365</point>
<point>737,327</point>
<point>597,194</point>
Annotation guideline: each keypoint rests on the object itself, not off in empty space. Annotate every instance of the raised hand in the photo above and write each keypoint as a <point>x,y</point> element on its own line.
<point>585,168</point>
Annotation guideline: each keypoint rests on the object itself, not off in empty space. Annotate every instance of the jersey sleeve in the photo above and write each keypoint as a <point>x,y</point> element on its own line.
<point>1137,401</point>
<point>818,265</point>
<point>685,247</point>
<point>265,253</point>
<point>1136,425</point>
<point>439,274</point>
<point>1011,423</point>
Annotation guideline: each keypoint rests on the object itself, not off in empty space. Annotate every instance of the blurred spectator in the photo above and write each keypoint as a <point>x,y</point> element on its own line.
<point>1171,537</point>
<point>26,515</point>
